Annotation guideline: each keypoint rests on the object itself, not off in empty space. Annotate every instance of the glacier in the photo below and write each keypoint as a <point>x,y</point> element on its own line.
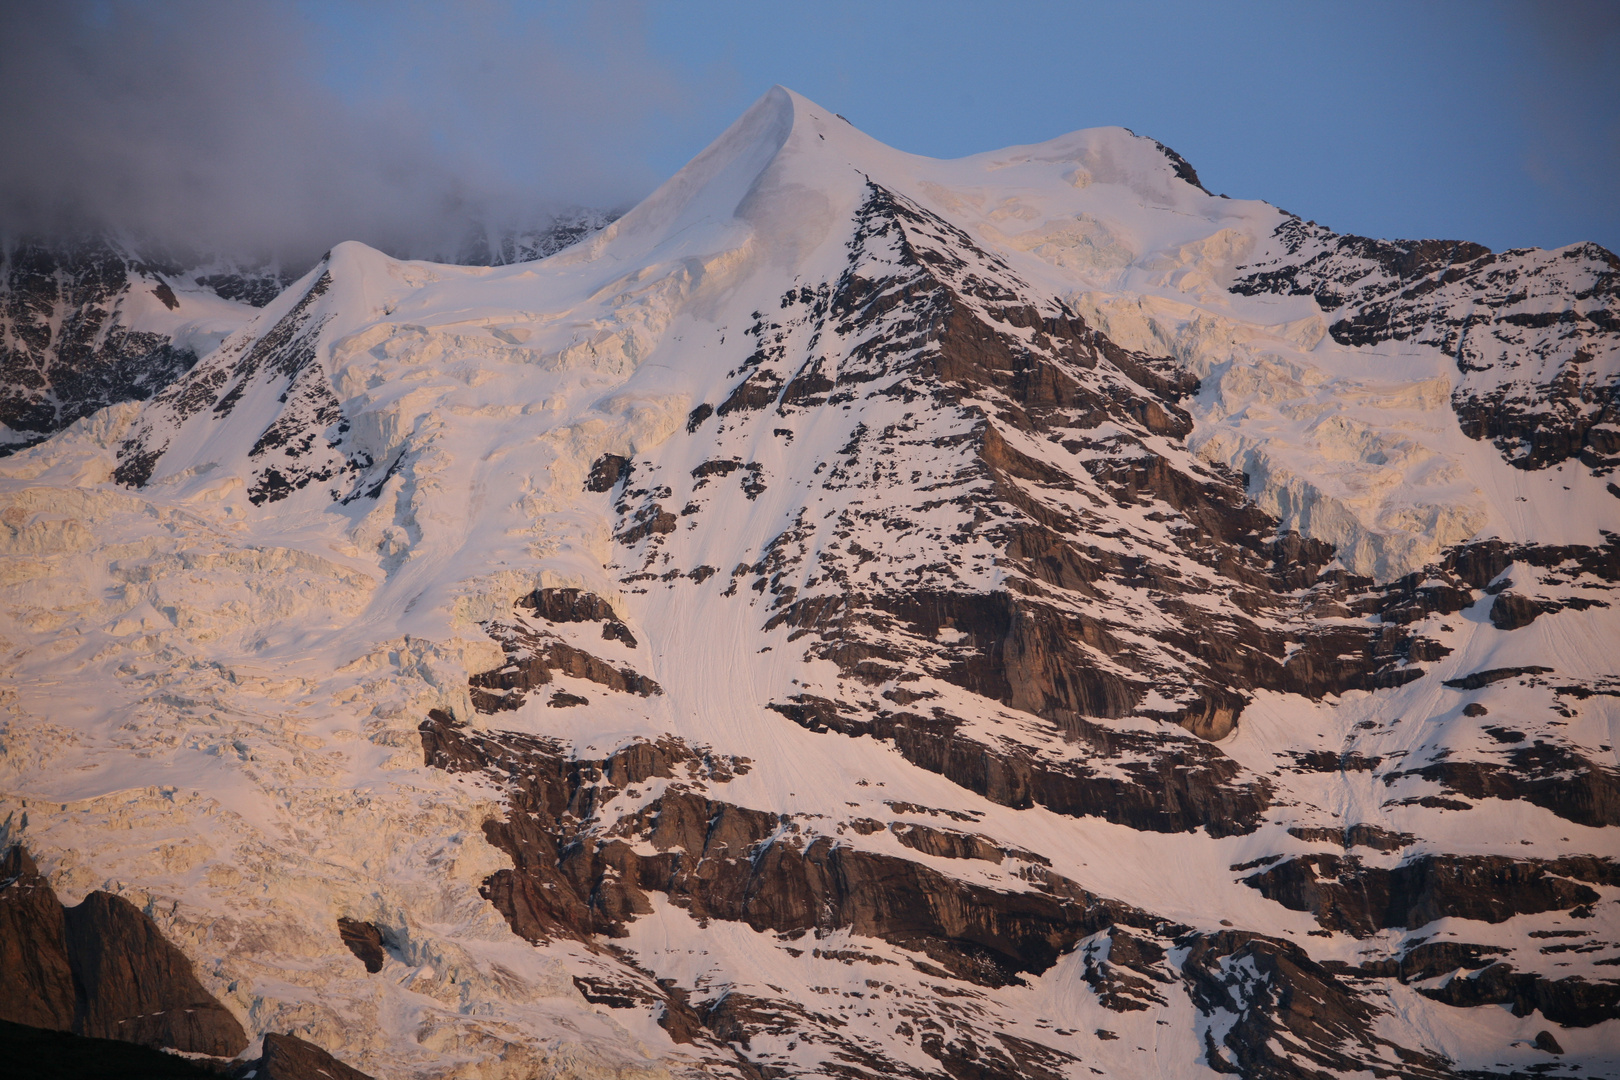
<point>994,526</point>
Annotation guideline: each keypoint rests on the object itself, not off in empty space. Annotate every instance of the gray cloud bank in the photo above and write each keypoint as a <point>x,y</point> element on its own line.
<point>278,129</point>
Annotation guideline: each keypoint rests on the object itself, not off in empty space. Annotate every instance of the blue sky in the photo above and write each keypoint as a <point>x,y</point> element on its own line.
<point>291,124</point>
<point>1498,123</point>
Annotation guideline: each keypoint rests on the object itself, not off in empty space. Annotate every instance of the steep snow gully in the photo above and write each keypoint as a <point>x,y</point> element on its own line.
<point>854,615</point>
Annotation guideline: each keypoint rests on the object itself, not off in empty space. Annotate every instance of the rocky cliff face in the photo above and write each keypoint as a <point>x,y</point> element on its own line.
<point>1529,330</point>
<point>861,616</point>
<point>87,325</point>
<point>101,969</point>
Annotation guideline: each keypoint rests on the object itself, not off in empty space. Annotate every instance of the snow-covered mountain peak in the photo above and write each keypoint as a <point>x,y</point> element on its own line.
<point>1101,223</point>
<point>859,614</point>
<point>788,169</point>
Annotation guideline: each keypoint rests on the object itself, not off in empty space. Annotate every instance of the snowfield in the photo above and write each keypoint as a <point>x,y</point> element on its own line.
<point>228,611</point>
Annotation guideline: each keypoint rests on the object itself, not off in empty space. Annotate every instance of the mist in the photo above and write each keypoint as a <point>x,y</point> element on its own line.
<point>275,130</point>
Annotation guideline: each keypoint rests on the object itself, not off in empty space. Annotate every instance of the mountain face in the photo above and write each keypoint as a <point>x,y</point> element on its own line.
<point>502,247</point>
<point>1529,329</point>
<point>860,615</point>
<point>92,323</point>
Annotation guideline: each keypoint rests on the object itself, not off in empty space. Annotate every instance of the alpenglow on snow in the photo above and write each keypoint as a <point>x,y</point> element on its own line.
<point>854,615</point>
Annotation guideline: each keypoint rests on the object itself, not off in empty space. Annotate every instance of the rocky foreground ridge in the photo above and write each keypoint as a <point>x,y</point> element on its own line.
<point>855,615</point>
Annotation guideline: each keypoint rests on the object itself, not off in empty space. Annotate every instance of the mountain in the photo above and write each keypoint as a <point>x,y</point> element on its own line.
<point>492,246</point>
<point>93,322</point>
<point>859,615</point>
<point>90,323</point>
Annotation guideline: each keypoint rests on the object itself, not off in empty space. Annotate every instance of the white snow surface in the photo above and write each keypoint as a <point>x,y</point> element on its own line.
<point>210,706</point>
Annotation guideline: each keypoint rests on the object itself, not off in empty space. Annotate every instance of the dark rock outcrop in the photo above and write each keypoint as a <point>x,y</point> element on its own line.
<point>1510,611</point>
<point>1345,894</point>
<point>607,472</point>
<point>255,287</point>
<point>365,941</point>
<point>1485,678</point>
<point>134,985</point>
<point>36,978</point>
<point>533,653</point>
<point>1286,1016</point>
<point>287,1057</point>
<point>1426,960</point>
<point>576,606</point>
<point>723,861</point>
<point>65,350</point>
<point>127,981</point>
<point>1360,834</point>
<point>32,1053</point>
<point>1178,784</point>
<point>1127,971</point>
<point>1573,1001</point>
<point>1542,773</point>
<point>950,844</point>
<point>1524,326</point>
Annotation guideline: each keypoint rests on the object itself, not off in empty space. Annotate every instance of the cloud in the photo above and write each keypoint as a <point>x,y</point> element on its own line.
<point>282,128</point>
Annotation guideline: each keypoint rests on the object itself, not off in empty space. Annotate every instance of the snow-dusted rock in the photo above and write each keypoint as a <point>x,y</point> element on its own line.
<point>854,614</point>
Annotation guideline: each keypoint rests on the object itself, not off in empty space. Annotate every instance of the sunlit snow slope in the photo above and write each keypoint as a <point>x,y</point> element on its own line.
<point>861,615</point>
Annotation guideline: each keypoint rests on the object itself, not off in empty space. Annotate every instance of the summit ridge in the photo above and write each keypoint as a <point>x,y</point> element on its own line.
<point>858,614</point>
